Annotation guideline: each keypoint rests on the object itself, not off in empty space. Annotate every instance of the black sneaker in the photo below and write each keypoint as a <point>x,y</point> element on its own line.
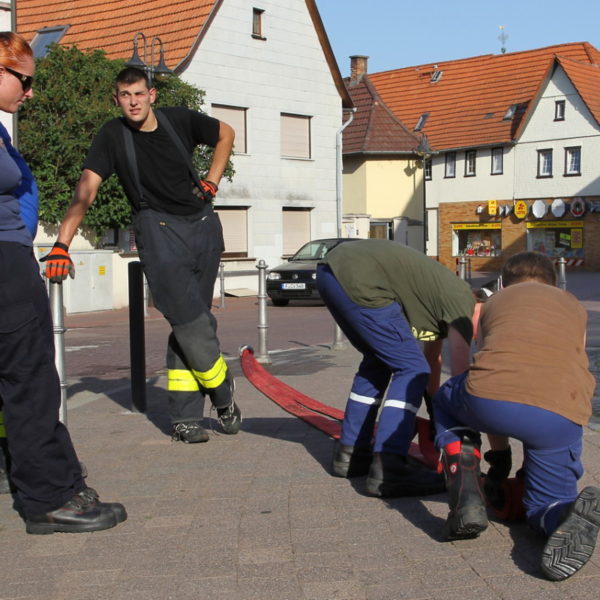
<point>230,418</point>
<point>572,544</point>
<point>190,433</point>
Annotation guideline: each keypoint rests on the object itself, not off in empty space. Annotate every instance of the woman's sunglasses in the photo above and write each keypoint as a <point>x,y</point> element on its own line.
<point>26,80</point>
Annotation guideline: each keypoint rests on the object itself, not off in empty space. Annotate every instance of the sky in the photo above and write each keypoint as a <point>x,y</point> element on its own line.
<point>402,33</point>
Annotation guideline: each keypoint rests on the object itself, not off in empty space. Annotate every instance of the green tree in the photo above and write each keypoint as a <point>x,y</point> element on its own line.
<point>72,99</point>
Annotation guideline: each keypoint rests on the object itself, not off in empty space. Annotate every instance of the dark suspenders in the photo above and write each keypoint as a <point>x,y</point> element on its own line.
<point>132,161</point>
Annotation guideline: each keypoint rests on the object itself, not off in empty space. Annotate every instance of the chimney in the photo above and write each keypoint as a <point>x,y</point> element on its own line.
<point>358,68</point>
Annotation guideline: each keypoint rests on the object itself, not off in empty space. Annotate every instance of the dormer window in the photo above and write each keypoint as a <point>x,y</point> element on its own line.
<point>421,122</point>
<point>257,24</point>
<point>559,110</point>
<point>510,112</point>
<point>46,36</point>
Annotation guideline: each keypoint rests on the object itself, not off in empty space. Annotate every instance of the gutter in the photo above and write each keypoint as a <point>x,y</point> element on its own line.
<point>338,170</point>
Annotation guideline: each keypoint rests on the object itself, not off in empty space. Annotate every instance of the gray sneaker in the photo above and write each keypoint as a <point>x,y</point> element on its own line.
<point>190,433</point>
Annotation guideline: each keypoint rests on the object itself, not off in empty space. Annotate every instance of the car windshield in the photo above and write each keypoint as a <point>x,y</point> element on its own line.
<point>315,250</point>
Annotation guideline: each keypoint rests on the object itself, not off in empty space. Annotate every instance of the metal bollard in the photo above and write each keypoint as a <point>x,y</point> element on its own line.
<point>562,273</point>
<point>137,342</point>
<point>58,322</point>
<point>462,268</point>
<point>339,339</point>
<point>222,282</point>
<point>263,355</point>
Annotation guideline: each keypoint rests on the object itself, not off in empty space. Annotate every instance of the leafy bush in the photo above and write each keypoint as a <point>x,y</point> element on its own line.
<point>72,100</point>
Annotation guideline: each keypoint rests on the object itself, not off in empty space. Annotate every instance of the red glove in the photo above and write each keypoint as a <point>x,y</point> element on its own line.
<point>206,190</point>
<point>58,263</point>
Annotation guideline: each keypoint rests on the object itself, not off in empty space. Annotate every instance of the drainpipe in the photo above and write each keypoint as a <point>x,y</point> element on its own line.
<point>338,172</point>
<point>15,118</point>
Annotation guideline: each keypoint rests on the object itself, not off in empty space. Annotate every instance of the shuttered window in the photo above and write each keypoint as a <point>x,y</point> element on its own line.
<point>295,136</point>
<point>296,229</point>
<point>235,117</point>
<point>235,230</point>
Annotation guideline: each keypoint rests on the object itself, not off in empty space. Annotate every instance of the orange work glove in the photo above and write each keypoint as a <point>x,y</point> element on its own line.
<point>58,263</point>
<point>206,190</point>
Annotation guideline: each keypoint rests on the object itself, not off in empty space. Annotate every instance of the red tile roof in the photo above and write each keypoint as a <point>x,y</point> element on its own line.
<point>586,78</point>
<point>111,24</point>
<point>374,129</point>
<point>468,103</point>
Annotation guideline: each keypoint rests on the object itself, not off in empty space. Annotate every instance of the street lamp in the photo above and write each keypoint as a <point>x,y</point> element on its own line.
<point>424,152</point>
<point>135,61</point>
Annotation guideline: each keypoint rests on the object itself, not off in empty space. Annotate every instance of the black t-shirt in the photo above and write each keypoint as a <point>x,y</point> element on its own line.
<point>165,179</point>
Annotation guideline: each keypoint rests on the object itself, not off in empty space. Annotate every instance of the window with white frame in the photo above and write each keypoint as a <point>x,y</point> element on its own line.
<point>295,136</point>
<point>559,110</point>
<point>544,163</point>
<point>296,228</point>
<point>234,116</point>
<point>428,169</point>
<point>497,161</point>
<point>257,23</point>
<point>234,220</point>
<point>450,170</point>
<point>573,161</point>
<point>470,163</point>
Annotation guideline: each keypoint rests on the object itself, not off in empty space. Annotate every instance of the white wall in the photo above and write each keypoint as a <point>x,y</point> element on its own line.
<point>465,189</point>
<point>6,25</point>
<point>542,132</point>
<point>287,72</point>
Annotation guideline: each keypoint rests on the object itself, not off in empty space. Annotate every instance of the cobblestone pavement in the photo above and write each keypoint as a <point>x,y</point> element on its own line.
<point>257,516</point>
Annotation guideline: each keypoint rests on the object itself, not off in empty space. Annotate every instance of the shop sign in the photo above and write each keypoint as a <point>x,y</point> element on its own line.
<point>554,224</point>
<point>576,238</point>
<point>492,207</point>
<point>577,207</point>
<point>521,209</point>
<point>456,226</point>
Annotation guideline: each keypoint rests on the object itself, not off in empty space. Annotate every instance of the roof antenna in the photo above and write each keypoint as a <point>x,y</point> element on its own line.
<point>502,37</point>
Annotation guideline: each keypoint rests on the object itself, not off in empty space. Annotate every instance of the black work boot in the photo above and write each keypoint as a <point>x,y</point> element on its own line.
<point>573,542</point>
<point>467,517</point>
<point>391,476</point>
<point>351,461</point>
<point>76,516</point>
<point>92,498</point>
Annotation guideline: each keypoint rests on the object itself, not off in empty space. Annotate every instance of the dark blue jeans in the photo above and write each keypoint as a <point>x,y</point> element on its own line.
<point>392,360</point>
<point>551,444</point>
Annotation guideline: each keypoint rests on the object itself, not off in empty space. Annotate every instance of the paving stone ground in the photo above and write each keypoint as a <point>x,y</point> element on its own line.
<point>257,516</point>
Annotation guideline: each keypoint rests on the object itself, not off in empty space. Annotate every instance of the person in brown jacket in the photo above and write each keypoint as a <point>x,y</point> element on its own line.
<point>529,380</point>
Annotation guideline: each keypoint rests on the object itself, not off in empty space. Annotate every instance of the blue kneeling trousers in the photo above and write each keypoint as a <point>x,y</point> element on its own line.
<point>391,360</point>
<point>551,445</point>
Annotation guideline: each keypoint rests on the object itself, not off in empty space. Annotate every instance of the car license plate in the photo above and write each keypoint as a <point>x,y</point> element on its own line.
<point>293,286</point>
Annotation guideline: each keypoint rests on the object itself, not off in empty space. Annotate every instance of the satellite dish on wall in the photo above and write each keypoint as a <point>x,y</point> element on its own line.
<point>539,209</point>
<point>558,208</point>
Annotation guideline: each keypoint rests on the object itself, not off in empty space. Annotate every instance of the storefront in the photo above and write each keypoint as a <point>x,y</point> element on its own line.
<point>489,233</point>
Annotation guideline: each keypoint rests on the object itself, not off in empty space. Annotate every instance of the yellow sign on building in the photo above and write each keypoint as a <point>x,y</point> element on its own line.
<point>521,209</point>
<point>492,207</point>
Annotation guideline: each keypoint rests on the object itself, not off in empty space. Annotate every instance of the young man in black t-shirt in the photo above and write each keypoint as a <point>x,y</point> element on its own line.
<point>178,235</point>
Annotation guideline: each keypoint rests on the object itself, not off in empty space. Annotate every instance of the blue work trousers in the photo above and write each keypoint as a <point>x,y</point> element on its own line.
<point>551,445</point>
<point>392,360</point>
